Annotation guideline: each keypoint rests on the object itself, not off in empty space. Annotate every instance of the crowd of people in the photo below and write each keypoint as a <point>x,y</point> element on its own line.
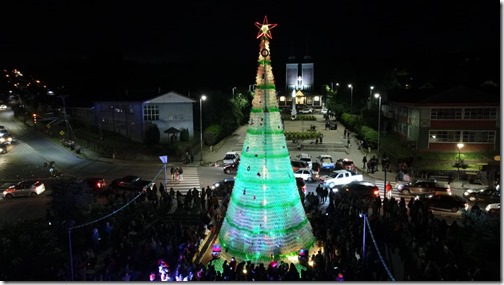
<point>146,243</point>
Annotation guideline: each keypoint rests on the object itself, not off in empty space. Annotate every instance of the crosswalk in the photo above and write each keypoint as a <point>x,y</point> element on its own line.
<point>190,181</point>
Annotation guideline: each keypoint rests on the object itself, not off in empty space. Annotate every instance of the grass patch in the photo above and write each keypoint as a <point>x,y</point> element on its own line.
<point>433,161</point>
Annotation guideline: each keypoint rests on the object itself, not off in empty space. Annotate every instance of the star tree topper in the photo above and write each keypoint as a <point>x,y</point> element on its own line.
<point>264,28</point>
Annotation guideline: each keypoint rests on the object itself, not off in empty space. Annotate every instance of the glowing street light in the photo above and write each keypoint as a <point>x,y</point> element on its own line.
<point>202,98</point>
<point>351,98</point>
<point>459,163</point>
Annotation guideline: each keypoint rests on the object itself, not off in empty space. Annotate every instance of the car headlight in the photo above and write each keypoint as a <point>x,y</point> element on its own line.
<point>487,208</point>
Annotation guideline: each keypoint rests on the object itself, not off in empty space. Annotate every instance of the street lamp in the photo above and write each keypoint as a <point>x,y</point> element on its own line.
<point>351,98</point>
<point>377,95</point>
<point>379,118</point>
<point>202,98</point>
<point>459,145</point>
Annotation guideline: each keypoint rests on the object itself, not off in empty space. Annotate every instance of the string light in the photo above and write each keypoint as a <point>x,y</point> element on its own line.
<point>118,210</point>
<point>379,253</point>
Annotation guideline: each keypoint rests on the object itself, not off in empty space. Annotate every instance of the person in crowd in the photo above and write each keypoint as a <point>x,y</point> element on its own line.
<point>388,189</point>
<point>181,173</point>
<point>172,172</point>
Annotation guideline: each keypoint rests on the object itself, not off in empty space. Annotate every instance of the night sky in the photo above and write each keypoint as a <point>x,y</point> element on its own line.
<point>202,44</point>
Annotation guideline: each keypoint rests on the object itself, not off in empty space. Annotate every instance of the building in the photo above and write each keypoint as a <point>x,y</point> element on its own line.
<point>299,84</point>
<point>437,119</point>
<point>133,116</point>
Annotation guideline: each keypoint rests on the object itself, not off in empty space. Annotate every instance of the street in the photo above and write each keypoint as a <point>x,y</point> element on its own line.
<point>26,157</point>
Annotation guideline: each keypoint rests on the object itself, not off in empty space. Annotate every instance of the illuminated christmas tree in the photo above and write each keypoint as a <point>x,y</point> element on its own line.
<point>265,217</point>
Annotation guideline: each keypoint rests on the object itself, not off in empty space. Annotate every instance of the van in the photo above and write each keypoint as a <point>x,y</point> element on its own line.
<point>231,157</point>
<point>297,164</point>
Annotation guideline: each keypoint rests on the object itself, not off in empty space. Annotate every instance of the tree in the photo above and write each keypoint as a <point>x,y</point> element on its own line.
<point>265,216</point>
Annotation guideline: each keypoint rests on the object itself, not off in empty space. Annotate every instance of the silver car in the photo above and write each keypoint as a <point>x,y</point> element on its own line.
<point>31,188</point>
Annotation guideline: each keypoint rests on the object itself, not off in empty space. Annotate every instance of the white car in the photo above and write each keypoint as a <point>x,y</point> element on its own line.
<point>493,208</point>
<point>306,111</point>
<point>31,188</point>
<point>323,111</point>
<point>340,177</point>
<point>307,174</point>
<point>3,107</point>
<point>231,157</point>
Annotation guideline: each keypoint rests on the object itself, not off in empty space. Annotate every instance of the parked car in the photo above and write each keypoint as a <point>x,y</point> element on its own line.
<point>323,111</point>
<point>485,195</point>
<point>97,184</point>
<point>345,163</point>
<point>326,161</point>
<point>297,164</point>
<point>423,186</point>
<point>231,157</point>
<point>222,187</point>
<point>30,188</point>
<point>306,111</point>
<point>360,189</point>
<point>452,203</point>
<point>307,174</point>
<point>306,158</point>
<point>3,107</point>
<point>285,110</point>
<point>231,168</point>
<point>493,209</point>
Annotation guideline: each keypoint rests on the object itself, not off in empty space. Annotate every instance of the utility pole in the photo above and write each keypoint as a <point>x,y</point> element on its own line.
<point>62,97</point>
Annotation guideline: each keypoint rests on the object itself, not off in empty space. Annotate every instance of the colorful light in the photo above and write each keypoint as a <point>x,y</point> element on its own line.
<point>268,218</point>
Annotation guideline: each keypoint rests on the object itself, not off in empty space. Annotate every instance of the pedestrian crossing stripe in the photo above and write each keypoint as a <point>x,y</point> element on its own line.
<point>190,180</point>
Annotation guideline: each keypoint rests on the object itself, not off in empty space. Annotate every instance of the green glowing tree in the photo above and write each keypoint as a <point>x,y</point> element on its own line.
<point>265,218</point>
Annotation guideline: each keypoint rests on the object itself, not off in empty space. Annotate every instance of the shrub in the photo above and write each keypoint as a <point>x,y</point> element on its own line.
<point>212,134</point>
<point>302,135</point>
<point>369,136</point>
<point>184,135</point>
